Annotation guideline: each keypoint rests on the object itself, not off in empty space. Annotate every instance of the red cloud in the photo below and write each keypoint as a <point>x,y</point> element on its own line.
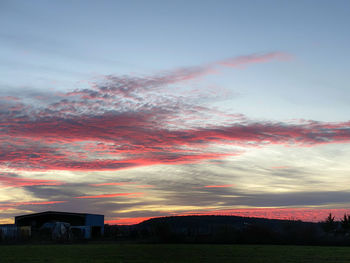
<point>44,159</point>
<point>124,122</point>
<point>142,145</point>
<point>110,195</point>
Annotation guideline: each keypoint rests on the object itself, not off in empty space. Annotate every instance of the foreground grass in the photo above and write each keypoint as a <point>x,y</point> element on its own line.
<point>122,253</point>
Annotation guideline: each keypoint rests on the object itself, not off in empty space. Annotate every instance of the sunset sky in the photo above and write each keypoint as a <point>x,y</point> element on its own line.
<point>139,109</point>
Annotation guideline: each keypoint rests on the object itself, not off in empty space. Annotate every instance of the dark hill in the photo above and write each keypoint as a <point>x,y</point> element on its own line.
<point>215,221</point>
<point>224,229</point>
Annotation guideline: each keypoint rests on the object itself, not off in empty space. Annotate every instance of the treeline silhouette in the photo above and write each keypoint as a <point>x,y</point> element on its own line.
<point>233,230</point>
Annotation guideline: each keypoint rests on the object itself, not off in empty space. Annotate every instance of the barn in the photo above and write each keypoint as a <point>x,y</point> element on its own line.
<point>91,225</point>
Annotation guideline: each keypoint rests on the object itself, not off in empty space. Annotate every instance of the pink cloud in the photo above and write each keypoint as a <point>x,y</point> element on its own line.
<point>145,186</point>
<point>124,122</point>
<point>141,144</point>
<point>9,98</point>
<point>10,181</point>
<point>255,58</point>
<point>219,186</point>
<point>43,159</point>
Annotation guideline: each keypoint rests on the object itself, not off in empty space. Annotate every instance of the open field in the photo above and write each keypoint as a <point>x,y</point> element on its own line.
<point>171,253</point>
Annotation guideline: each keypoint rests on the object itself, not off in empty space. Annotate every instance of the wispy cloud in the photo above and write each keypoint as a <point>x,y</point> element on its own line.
<point>110,195</point>
<point>255,58</point>
<point>129,184</point>
<point>115,184</point>
<point>11,205</point>
<point>145,186</point>
<point>219,186</point>
<point>12,180</point>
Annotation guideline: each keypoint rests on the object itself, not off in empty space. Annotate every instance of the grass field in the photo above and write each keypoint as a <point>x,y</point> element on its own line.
<point>172,253</point>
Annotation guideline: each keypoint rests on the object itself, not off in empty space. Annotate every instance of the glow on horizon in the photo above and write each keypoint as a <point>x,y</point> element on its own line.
<point>304,214</point>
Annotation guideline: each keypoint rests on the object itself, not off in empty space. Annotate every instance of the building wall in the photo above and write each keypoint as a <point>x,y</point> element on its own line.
<point>95,221</point>
<point>8,232</point>
<point>92,224</point>
<point>37,220</point>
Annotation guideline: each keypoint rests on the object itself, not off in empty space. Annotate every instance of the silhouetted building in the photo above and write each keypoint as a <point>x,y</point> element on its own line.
<point>85,225</point>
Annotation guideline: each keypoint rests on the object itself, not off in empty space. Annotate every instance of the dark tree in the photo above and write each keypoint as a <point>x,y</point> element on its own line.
<point>345,223</point>
<point>329,225</point>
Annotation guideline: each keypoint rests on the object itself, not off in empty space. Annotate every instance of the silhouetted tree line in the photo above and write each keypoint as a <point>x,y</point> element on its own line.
<point>234,230</point>
<point>215,229</point>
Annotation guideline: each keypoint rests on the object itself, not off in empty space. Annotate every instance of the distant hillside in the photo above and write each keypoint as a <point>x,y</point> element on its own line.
<point>224,229</point>
<point>217,220</point>
<point>233,230</point>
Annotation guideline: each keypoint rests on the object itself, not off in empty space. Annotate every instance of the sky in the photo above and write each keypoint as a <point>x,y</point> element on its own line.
<point>139,109</point>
